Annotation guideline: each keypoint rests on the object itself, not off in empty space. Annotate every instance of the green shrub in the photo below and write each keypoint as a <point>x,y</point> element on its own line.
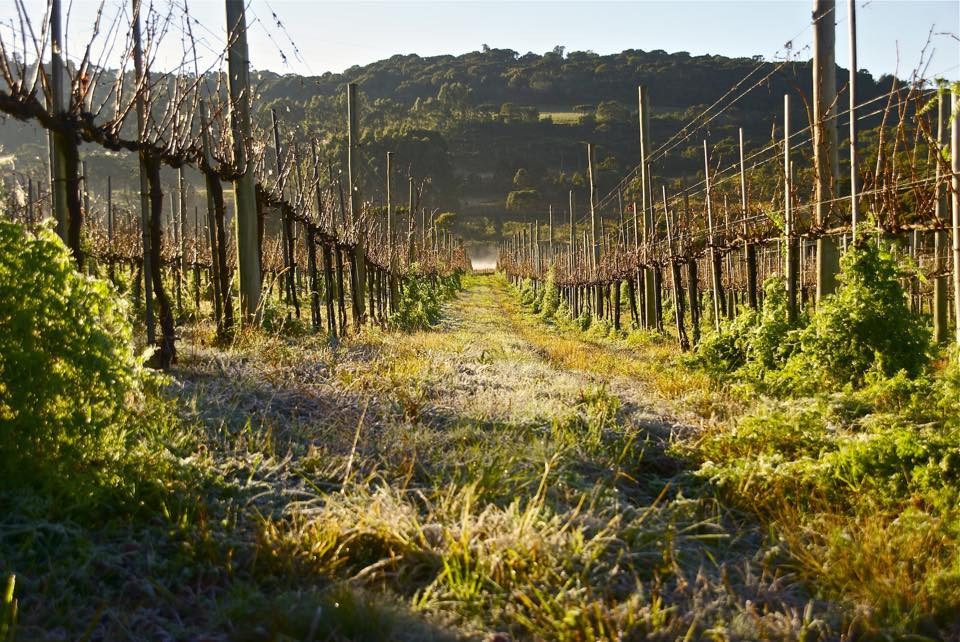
<point>551,296</point>
<point>895,462</point>
<point>527,295</point>
<point>67,365</point>
<point>866,321</point>
<point>8,611</point>
<point>753,342</point>
<point>599,328</point>
<point>770,344</point>
<point>584,320</point>
<point>785,428</point>
<point>277,317</point>
<point>537,303</point>
<point>421,301</point>
<point>947,388</point>
<point>724,351</point>
<point>865,326</point>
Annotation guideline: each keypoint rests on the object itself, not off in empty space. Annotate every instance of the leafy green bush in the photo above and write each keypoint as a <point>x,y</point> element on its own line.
<point>421,301</point>
<point>895,462</point>
<point>8,612</point>
<point>866,321</point>
<point>752,342</point>
<point>783,428</point>
<point>724,351</point>
<point>865,326</point>
<point>551,296</point>
<point>862,485</point>
<point>599,328</point>
<point>537,304</point>
<point>67,365</point>
<point>584,320</point>
<point>527,295</point>
<point>947,389</point>
<point>276,317</point>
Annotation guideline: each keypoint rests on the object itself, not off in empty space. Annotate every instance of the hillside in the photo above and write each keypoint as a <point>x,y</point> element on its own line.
<point>470,122</point>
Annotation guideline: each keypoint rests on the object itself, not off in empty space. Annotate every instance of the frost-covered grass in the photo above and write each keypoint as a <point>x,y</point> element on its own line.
<point>840,436</point>
<point>436,484</point>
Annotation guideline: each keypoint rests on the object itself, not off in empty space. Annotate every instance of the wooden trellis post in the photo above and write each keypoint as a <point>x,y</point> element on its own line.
<point>649,298</point>
<point>574,303</point>
<point>245,218</point>
<point>392,262</point>
<point>714,257</point>
<point>550,234</point>
<point>939,241</point>
<point>792,267</point>
<point>64,157</point>
<point>286,235</point>
<point>182,249</point>
<point>594,222</point>
<point>825,156</point>
<point>678,304</point>
<point>750,247</point>
<point>955,182</point>
<point>358,262</point>
<point>141,106</point>
<point>215,221</point>
<point>852,95</point>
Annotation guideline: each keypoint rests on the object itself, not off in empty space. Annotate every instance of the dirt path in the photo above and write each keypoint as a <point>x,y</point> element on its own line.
<point>479,366</point>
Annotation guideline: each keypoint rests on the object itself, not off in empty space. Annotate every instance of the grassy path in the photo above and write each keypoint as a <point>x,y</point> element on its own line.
<point>490,479</point>
<point>506,479</point>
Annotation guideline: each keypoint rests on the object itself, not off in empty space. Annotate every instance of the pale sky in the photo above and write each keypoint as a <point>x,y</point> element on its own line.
<point>332,36</point>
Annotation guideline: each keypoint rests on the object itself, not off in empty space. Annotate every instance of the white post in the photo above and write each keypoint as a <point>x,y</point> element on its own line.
<point>852,90</point>
<point>955,181</point>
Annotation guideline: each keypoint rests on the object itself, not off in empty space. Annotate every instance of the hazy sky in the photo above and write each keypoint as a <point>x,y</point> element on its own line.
<point>332,36</point>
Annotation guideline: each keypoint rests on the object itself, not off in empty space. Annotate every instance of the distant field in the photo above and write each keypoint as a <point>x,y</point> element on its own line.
<point>562,117</point>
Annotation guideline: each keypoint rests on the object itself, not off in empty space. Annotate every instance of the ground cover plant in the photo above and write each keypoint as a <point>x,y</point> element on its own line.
<point>840,433</point>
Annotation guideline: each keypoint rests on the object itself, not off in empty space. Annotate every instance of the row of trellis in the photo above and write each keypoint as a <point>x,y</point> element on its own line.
<point>331,250</point>
<point>722,271</point>
<point>707,249</point>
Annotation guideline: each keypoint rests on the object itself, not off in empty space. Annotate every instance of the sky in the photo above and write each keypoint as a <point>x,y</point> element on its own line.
<point>320,36</point>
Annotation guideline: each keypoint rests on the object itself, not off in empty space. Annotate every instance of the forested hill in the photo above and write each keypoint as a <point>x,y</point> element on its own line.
<point>485,80</point>
<point>471,122</point>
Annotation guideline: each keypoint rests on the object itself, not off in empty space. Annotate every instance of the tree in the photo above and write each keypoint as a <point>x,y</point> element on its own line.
<point>612,112</point>
<point>523,200</point>
<point>454,97</point>
<point>445,220</point>
<point>521,180</point>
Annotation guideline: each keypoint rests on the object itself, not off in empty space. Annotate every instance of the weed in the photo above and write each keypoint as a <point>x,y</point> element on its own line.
<point>421,300</point>
<point>551,296</point>
<point>68,372</point>
<point>8,611</point>
<point>865,326</point>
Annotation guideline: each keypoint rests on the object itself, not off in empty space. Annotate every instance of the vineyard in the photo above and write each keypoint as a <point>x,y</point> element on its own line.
<point>267,395</point>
